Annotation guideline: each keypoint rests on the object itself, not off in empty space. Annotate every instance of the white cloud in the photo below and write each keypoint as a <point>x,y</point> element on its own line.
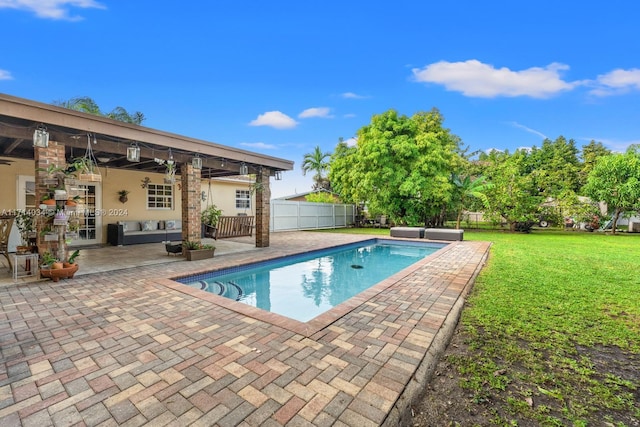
<point>351,95</point>
<point>473,78</point>
<point>349,116</point>
<point>351,142</point>
<point>275,119</point>
<point>51,9</point>
<point>528,129</point>
<point>617,146</point>
<point>315,112</point>
<point>258,145</point>
<point>617,82</point>
<point>5,75</point>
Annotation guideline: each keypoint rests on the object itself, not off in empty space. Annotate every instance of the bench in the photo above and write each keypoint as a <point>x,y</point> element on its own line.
<point>410,232</point>
<point>443,234</point>
<point>143,231</point>
<point>230,226</point>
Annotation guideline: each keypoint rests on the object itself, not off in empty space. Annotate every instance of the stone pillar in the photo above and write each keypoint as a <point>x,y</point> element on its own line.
<point>190,179</point>
<point>44,157</point>
<point>263,208</point>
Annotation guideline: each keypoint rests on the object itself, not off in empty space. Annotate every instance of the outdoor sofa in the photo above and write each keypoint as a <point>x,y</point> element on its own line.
<point>143,231</point>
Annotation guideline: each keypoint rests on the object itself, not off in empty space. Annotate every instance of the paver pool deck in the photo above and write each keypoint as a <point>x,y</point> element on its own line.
<point>132,347</point>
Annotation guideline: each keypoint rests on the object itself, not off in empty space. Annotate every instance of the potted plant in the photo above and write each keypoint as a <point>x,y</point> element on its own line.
<point>72,202</point>
<point>47,202</point>
<point>170,171</point>
<point>86,167</point>
<point>26,223</point>
<point>123,196</point>
<point>55,269</point>
<point>209,218</point>
<point>196,250</point>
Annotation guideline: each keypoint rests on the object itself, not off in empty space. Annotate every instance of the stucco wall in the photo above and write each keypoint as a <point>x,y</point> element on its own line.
<point>222,193</point>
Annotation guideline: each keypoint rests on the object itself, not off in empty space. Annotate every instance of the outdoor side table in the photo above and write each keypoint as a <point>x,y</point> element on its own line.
<point>25,265</point>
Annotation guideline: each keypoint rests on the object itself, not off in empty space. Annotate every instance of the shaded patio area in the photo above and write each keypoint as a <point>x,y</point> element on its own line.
<point>124,344</point>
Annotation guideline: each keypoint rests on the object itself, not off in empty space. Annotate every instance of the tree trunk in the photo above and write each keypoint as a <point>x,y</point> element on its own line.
<point>458,219</point>
<point>614,224</point>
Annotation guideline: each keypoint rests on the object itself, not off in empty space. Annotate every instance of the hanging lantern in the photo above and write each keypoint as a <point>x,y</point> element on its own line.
<point>196,162</point>
<point>133,153</point>
<point>41,137</point>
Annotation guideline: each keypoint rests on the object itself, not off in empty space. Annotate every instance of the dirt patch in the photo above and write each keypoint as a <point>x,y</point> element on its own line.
<point>446,403</point>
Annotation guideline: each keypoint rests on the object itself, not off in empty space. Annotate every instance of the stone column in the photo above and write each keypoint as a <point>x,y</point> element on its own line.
<point>44,157</point>
<point>263,208</point>
<point>190,179</point>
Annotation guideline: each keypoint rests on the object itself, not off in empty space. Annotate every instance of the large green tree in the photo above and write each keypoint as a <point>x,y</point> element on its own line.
<point>591,152</point>
<point>317,162</point>
<point>513,195</point>
<point>88,105</point>
<point>400,167</point>
<point>341,174</point>
<point>555,167</point>
<point>615,180</point>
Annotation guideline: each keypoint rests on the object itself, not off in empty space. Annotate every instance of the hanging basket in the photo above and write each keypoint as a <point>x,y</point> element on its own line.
<point>91,177</point>
<point>88,165</point>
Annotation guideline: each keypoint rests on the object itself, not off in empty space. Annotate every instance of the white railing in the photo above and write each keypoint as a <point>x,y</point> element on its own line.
<point>287,215</point>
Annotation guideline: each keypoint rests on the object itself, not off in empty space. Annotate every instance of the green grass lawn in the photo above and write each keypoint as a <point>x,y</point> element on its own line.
<point>554,318</point>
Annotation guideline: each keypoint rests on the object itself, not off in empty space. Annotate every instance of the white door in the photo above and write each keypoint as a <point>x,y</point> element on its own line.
<point>88,214</point>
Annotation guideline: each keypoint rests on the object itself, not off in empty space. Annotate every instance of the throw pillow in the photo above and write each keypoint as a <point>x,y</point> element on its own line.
<point>170,225</point>
<point>148,225</point>
<point>124,226</point>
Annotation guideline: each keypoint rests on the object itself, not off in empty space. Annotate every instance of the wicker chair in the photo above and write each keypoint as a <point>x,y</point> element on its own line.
<point>6,222</point>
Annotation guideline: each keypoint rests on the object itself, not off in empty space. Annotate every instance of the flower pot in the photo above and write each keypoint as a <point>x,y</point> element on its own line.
<point>59,273</point>
<point>198,254</point>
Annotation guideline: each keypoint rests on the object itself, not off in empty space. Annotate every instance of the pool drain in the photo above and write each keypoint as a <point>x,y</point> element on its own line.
<point>356,266</point>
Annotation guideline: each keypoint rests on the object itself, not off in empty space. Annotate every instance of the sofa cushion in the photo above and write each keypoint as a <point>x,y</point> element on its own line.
<point>130,225</point>
<point>170,224</point>
<point>149,225</point>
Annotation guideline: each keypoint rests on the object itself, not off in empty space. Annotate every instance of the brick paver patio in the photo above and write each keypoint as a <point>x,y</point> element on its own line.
<point>131,347</point>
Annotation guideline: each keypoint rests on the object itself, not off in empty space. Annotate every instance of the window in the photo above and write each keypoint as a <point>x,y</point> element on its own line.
<point>159,196</point>
<point>243,199</point>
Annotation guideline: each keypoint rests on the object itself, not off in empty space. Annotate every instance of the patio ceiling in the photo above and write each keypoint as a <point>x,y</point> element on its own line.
<point>110,139</point>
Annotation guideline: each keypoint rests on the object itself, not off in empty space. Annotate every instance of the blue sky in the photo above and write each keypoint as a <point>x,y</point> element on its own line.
<point>283,77</point>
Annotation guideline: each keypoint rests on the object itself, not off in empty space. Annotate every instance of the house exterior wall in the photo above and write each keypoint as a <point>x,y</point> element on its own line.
<point>222,194</point>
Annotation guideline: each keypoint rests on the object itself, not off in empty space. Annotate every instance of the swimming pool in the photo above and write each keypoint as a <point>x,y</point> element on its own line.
<point>304,286</point>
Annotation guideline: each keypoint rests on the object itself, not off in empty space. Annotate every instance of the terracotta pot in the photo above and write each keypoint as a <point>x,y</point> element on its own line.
<point>60,273</point>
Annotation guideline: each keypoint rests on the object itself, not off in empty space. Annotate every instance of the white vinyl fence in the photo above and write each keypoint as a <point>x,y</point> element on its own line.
<point>288,216</point>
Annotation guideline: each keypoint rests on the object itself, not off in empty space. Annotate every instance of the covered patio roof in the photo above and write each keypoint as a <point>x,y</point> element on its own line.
<point>19,118</point>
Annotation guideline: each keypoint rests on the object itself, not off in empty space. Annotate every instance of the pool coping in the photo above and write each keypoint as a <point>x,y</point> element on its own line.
<point>321,321</point>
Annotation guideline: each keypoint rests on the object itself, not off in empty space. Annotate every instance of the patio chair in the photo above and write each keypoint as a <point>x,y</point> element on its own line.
<point>6,222</point>
<point>380,222</point>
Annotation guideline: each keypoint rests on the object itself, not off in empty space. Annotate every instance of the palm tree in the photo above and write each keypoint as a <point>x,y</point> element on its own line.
<point>466,189</point>
<point>86,104</point>
<point>316,162</point>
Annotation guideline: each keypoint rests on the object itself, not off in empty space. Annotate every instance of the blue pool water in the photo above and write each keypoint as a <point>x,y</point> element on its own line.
<point>303,286</point>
